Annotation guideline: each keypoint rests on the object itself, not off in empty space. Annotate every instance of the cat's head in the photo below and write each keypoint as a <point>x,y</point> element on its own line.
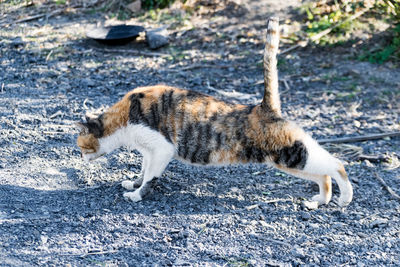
<point>89,137</point>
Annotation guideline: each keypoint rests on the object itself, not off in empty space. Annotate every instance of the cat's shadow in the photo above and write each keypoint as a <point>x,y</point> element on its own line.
<point>19,202</point>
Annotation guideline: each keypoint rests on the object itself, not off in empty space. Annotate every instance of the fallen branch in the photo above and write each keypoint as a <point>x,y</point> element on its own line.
<point>134,52</point>
<point>321,34</point>
<point>48,15</point>
<point>390,190</point>
<point>39,16</point>
<point>200,66</point>
<point>358,138</point>
<point>89,253</point>
<point>277,200</point>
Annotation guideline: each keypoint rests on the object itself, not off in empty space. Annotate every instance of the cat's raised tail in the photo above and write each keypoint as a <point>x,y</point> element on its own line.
<point>271,101</point>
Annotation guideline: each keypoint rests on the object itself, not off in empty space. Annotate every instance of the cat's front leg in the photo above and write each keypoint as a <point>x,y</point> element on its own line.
<point>156,162</point>
<point>130,185</point>
<point>143,191</point>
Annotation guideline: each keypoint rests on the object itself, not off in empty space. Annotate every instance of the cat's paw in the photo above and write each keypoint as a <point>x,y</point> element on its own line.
<point>128,185</point>
<point>320,199</point>
<point>344,200</point>
<point>133,196</point>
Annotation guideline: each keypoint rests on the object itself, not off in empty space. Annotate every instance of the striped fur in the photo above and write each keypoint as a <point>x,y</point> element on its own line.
<point>165,122</point>
<point>271,101</point>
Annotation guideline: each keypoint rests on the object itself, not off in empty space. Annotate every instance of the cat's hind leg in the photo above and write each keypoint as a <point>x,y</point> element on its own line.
<point>324,183</point>
<point>320,163</point>
<point>158,159</point>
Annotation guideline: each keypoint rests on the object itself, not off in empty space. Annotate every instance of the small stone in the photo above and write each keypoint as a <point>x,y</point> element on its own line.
<point>88,83</point>
<point>357,123</point>
<point>157,38</point>
<point>44,239</point>
<point>298,252</point>
<point>311,205</point>
<point>17,41</point>
<point>135,6</point>
<point>368,163</point>
<point>173,231</point>
<point>305,216</point>
<point>197,81</point>
<point>381,222</point>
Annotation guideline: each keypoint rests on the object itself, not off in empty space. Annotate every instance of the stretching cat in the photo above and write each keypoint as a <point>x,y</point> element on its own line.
<point>164,122</point>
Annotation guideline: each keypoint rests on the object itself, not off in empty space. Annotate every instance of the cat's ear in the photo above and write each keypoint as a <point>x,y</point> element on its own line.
<point>95,125</point>
<point>90,117</point>
<point>83,127</point>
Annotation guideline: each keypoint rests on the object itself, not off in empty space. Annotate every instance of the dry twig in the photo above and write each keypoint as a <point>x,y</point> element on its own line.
<point>390,190</point>
<point>358,138</point>
<point>134,52</point>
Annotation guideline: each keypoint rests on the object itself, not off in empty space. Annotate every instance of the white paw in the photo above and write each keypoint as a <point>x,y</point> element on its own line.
<point>128,185</point>
<point>320,199</point>
<point>133,196</point>
<point>344,200</point>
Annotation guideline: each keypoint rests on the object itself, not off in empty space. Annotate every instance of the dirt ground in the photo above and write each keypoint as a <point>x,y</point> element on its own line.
<point>57,210</point>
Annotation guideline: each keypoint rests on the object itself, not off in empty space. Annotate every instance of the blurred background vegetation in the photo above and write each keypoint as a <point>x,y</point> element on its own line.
<point>342,18</point>
<point>371,25</point>
<point>345,17</point>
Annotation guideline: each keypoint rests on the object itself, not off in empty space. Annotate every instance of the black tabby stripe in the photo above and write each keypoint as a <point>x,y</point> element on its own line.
<point>96,126</point>
<point>202,152</point>
<point>186,136</point>
<point>293,157</point>
<point>167,102</point>
<point>151,118</point>
<point>154,116</point>
<point>251,152</point>
<point>194,143</point>
<point>136,113</point>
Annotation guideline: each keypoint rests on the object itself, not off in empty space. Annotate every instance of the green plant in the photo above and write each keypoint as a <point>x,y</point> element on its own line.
<point>341,18</point>
<point>334,15</point>
<point>392,48</point>
<point>154,4</point>
<point>60,2</point>
<point>387,52</point>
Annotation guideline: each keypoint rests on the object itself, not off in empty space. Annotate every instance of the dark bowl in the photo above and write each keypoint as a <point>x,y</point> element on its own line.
<point>115,35</point>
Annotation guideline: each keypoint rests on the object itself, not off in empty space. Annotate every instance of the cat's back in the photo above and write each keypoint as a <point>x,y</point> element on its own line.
<point>156,105</point>
<point>204,129</point>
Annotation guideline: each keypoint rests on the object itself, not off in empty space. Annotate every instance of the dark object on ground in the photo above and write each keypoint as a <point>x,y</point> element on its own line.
<point>115,35</point>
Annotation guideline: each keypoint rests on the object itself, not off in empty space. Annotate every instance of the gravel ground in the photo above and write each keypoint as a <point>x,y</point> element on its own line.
<point>57,210</point>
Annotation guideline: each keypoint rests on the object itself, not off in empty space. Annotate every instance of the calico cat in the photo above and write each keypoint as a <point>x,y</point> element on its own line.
<point>164,122</point>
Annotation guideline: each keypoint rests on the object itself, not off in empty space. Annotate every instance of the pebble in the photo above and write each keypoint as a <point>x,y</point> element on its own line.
<point>305,216</point>
<point>381,222</point>
<point>311,205</point>
<point>157,38</point>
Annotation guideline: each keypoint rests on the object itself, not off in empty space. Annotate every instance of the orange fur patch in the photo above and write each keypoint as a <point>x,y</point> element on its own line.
<point>327,184</point>
<point>88,142</point>
<point>116,117</point>
<point>343,173</point>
